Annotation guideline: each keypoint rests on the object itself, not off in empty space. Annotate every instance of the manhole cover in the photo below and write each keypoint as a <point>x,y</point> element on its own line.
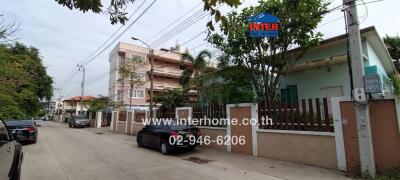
<point>99,133</point>
<point>198,160</point>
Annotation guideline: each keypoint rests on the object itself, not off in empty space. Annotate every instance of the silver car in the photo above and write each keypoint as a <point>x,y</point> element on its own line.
<point>78,121</point>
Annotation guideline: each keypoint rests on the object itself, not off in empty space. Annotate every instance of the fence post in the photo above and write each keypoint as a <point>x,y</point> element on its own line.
<point>99,119</point>
<point>253,120</point>
<point>189,111</point>
<point>338,130</point>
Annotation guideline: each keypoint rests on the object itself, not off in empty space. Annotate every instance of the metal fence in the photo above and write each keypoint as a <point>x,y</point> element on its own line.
<point>310,115</point>
<point>163,112</point>
<point>206,114</point>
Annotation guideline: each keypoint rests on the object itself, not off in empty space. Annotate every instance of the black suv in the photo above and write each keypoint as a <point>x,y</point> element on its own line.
<point>10,155</point>
<point>168,136</point>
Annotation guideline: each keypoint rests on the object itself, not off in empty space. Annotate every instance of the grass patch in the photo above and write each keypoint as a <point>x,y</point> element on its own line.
<point>389,175</point>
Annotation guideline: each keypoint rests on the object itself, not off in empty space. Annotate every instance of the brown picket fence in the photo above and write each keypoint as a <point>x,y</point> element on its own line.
<point>213,111</point>
<point>309,115</point>
<point>165,113</point>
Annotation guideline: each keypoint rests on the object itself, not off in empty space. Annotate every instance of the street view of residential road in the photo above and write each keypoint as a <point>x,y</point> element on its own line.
<point>199,89</point>
<point>82,154</point>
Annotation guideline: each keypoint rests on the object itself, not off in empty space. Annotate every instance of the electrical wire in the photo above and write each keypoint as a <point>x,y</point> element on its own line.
<point>187,12</point>
<point>126,29</point>
<point>113,34</point>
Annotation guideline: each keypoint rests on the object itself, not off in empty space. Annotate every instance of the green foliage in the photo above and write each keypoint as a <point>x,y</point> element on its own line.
<point>116,10</point>
<point>213,5</point>
<point>266,58</point>
<point>99,103</point>
<point>199,66</point>
<point>393,84</point>
<point>24,82</point>
<point>118,14</point>
<point>171,98</point>
<point>226,86</point>
<point>393,45</point>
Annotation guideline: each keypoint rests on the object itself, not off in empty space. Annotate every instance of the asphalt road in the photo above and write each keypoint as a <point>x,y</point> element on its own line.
<point>64,153</point>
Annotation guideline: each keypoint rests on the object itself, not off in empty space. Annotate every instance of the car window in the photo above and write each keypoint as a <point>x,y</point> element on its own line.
<point>177,127</point>
<point>149,126</point>
<point>3,132</point>
<point>20,123</point>
<point>158,126</point>
<point>80,117</point>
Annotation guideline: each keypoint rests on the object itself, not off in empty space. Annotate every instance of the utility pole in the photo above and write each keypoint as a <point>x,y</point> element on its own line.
<point>360,101</point>
<point>151,56</point>
<point>151,81</point>
<point>82,68</point>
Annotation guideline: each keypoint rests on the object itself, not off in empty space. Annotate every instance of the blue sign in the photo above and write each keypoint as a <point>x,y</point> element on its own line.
<point>264,25</point>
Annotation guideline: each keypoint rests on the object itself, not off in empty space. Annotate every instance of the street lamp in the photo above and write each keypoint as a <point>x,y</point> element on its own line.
<point>151,52</point>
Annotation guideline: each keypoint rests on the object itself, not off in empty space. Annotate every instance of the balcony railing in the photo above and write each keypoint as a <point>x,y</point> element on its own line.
<point>162,85</point>
<point>167,71</point>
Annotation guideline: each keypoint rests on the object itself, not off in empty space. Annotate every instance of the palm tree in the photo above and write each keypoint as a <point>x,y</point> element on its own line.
<point>199,65</point>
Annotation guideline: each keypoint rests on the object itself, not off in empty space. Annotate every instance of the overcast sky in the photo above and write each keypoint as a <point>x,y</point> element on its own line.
<point>66,37</point>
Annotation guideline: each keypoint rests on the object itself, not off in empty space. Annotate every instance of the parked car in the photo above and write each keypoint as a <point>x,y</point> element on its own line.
<point>11,154</point>
<point>158,136</point>
<point>78,121</point>
<point>26,130</point>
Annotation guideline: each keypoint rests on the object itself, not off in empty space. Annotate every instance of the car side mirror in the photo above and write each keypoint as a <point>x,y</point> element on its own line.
<point>13,135</point>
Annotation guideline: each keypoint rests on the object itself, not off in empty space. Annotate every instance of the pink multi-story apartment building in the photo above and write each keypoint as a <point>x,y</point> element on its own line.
<point>168,68</point>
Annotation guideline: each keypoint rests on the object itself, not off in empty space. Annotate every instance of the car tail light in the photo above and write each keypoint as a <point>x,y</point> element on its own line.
<point>31,129</point>
<point>174,134</point>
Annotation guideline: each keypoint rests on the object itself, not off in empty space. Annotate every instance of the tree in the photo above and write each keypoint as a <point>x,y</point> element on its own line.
<point>393,46</point>
<point>226,86</point>
<point>129,70</point>
<point>118,14</point>
<point>7,30</point>
<point>266,58</point>
<point>101,102</point>
<point>170,99</point>
<point>24,82</point>
<point>199,65</point>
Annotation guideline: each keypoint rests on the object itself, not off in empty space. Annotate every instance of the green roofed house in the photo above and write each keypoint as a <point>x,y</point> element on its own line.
<point>323,71</point>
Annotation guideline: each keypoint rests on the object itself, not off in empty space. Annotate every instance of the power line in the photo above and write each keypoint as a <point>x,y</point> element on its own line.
<point>68,80</point>
<point>116,38</point>
<point>187,12</point>
<point>179,28</point>
<point>115,32</point>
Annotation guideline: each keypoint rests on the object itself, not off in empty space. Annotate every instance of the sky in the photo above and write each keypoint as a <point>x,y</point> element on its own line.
<point>66,38</point>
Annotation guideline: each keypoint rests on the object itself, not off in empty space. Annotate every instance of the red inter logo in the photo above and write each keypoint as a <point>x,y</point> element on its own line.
<point>263,26</point>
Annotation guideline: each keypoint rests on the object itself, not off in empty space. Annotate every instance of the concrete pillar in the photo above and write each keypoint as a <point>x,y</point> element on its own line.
<point>99,119</point>
<point>247,125</point>
<point>184,112</point>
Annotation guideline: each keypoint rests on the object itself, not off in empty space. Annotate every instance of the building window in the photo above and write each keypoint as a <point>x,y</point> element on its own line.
<point>119,95</point>
<point>136,59</point>
<point>138,76</point>
<point>136,93</point>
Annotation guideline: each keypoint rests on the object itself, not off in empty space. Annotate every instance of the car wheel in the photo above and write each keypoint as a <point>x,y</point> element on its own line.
<point>69,125</point>
<point>139,141</point>
<point>165,148</point>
